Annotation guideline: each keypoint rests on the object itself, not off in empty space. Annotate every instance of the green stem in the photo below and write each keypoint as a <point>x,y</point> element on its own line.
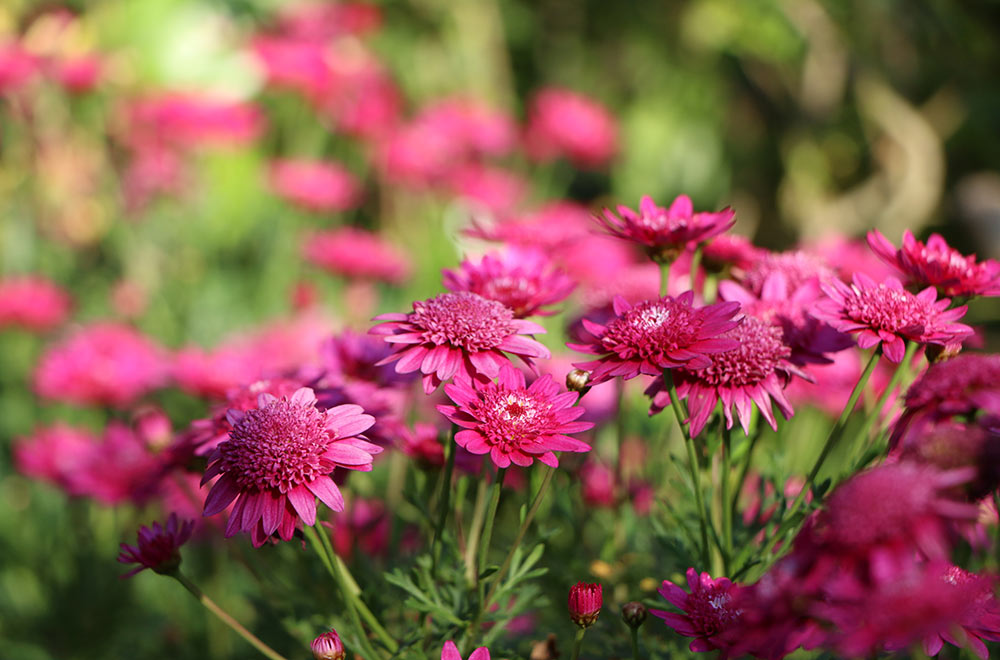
<point>664,277</point>
<point>835,433</point>
<point>444,501</point>
<point>727,509</point>
<point>693,465</point>
<point>491,514</point>
<point>876,411</point>
<point>744,469</point>
<point>472,547</point>
<point>578,643</point>
<point>634,638</point>
<point>224,616</point>
<point>535,504</point>
<point>695,263</point>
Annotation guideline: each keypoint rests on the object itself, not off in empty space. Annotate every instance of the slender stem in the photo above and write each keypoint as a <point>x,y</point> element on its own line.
<point>363,610</point>
<point>634,638</point>
<point>727,509</point>
<point>444,501</point>
<point>693,465</point>
<point>491,514</point>
<point>620,433</point>
<point>225,617</point>
<point>835,433</point>
<point>664,277</point>
<point>695,263</point>
<point>876,411</point>
<point>744,469</point>
<point>578,643</point>
<point>478,513</point>
<point>535,504</point>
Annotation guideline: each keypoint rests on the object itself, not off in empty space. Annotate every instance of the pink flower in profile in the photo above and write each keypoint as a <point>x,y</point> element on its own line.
<point>585,601</point>
<point>886,314</point>
<point>355,253</point>
<point>450,652</point>
<point>314,185</point>
<point>754,372</point>
<point>658,334</point>
<point>710,614</point>
<point>564,123</point>
<point>33,303</point>
<point>514,423</point>
<point>101,364</point>
<point>279,458</point>
<point>939,265</point>
<point>666,232</point>
<point>524,280</point>
<point>458,333</point>
<point>157,547</point>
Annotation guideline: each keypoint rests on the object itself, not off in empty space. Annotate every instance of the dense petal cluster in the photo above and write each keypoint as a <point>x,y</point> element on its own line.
<point>458,333</point>
<point>886,314</point>
<point>585,601</point>
<point>710,613</point>
<point>328,646</point>
<point>279,458</point>
<point>157,547</point>
<point>666,232</point>
<point>355,253</point>
<point>514,423</point>
<point>939,265</point>
<point>32,303</point>
<point>315,185</point>
<point>654,335</point>
<point>523,280</point>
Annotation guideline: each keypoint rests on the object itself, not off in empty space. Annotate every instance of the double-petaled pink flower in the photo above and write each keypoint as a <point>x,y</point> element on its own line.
<point>710,613</point>
<point>524,280</point>
<point>666,232</point>
<point>458,334</point>
<point>939,265</point>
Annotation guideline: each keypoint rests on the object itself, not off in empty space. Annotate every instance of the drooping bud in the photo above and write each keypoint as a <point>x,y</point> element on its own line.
<point>328,647</point>
<point>585,602</point>
<point>634,614</point>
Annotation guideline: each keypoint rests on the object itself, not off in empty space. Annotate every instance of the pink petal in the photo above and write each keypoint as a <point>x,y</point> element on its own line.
<point>327,492</point>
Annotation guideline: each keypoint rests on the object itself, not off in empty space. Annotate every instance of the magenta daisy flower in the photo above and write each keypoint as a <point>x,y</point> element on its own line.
<point>279,458</point>
<point>939,265</point>
<point>157,547</point>
<point>710,614</point>
<point>666,232</point>
<point>458,333</point>
<point>888,314</point>
<point>756,371</point>
<point>450,652</point>
<point>524,280</point>
<point>513,423</point>
<point>657,334</point>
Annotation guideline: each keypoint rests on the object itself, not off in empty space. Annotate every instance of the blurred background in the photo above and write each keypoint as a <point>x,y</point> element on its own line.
<point>188,169</point>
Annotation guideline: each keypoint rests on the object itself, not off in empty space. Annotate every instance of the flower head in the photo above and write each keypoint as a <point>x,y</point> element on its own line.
<point>958,386</point>
<point>524,280</point>
<point>666,232</point>
<point>657,334</point>
<point>939,265</point>
<point>279,458</point>
<point>458,333</point>
<point>315,185</point>
<point>710,614</point>
<point>564,123</point>
<point>158,547</point>
<point>328,647</point>
<point>33,303</point>
<point>450,652</point>
<point>886,314</point>
<point>585,602</point>
<point>797,266</point>
<point>514,423</point>
<point>355,253</point>
<point>756,371</point>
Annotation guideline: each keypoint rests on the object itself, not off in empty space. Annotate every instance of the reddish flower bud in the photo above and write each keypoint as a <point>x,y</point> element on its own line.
<point>585,602</point>
<point>634,614</point>
<point>328,647</point>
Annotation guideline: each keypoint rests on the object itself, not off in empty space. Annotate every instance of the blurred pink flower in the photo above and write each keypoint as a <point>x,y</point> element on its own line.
<point>553,226</point>
<point>192,121</point>
<point>17,67</point>
<point>499,190</point>
<point>32,302</point>
<point>80,74</point>
<point>316,186</point>
<point>316,22</point>
<point>710,614</point>
<point>797,266</point>
<point>356,253</point>
<point>103,364</point>
<point>564,123</point>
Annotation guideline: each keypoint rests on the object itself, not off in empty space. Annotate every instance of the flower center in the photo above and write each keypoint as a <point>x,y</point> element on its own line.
<point>277,447</point>
<point>512,418</point>
<point>651,328</point>
<point>465,320</point>
<point>711,610</point>
<point>760,351</point>
<point>885,308</point>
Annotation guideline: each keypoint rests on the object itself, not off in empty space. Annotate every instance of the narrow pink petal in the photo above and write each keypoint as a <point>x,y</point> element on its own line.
<point>450,652</point>
<point>327,492</point>
<point>223,492</point>
<point>304,503</point>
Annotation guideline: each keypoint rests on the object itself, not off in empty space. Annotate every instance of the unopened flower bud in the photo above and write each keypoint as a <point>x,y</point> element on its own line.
<point>328,647</point>
<point>576,380</point>
<point>585,602</point>
<point>634,614</point>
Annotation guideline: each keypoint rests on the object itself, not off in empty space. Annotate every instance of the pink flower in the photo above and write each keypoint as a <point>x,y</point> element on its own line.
<point>101,364</point>
<point>654,335</point>
<point>666,232</point>
<point>33,303</point>
<point>979,614</point>
<point>317,22</point>
<point>450,652</point>
<point>710,614</point>
<point>888,314</point>
<point>938,265</point>
<point>564,123</point>
<point>358,95</point>
<point>158,547</point>
<point>471,125</point>
<point>17,67</point>
<point>289,63</point>
<point>523,280</point>
<point>755,371</point>
<point>279,458</point>
<point>797,266</point>
<point>328,647</point>
<point>79,74</point>
<point>554,226</point>
<point>962,385</point>
<point>355,253</point>
<point>585,602</point>
<point>513,423</point>
<point>730,251</point>
<point>315,185</point>
<point>498,190</point>
<point>458,333</point>
<point>191,121</point>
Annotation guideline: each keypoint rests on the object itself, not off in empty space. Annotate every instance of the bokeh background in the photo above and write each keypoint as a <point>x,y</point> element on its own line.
<point>810,118</point>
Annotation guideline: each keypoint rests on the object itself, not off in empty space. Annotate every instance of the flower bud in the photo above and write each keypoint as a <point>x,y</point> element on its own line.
<point>576,380</point>
<point>328,647</point>
<point>634,614</point>
<point>585,602</point>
